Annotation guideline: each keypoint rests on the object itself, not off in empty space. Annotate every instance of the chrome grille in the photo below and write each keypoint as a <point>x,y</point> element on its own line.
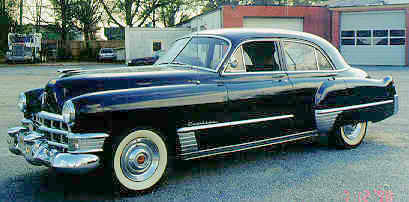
<point>53,127</point>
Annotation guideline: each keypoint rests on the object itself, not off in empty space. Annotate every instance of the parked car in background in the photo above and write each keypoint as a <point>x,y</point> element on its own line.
<point>147,60</point>
<point>106,54</point>
<point>213,92</point>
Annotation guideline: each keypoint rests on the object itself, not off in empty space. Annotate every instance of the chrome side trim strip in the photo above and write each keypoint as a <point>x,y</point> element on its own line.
<point>324,111</point>
<point>52,130</point>
<point>247,145</point>
<point>233,123</point>
<point>48,115</point>
<point>57,144</point>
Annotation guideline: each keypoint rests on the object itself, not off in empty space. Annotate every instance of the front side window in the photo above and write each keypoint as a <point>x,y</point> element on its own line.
<point>261,56</point>
<point>256,56</point>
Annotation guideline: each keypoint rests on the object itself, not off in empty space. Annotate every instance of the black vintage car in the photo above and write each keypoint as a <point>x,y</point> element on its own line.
<point>214,92</point>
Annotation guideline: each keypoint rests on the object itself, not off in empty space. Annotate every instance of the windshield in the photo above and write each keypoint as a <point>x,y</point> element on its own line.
<point>107,51</point>
<point>204,52</point>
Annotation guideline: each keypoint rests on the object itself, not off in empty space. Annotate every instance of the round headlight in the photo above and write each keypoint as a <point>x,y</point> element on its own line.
<point>22,102</point>
<point>68,113</point>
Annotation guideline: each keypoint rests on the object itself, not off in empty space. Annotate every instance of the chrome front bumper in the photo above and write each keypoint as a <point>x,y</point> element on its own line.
<point>37,151</point>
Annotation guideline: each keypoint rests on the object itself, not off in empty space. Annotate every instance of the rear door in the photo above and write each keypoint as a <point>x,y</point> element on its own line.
<point>308,68</point>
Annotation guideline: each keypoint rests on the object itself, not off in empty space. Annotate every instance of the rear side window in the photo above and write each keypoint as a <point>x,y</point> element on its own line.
<point>299,56</point>
<point>303,57</point>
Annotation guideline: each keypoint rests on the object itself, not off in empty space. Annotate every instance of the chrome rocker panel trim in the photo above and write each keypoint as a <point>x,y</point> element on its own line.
<point>325,118</point>
<point>187,136</point>
<point>248,145</point>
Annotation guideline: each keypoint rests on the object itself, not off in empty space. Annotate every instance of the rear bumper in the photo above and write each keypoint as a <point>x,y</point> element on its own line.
<point>37,151</point>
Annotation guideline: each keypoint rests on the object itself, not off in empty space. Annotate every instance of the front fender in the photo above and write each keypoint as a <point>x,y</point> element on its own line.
<point>150,98</point>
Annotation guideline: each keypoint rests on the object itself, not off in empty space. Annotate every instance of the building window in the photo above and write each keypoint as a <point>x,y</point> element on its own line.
<point>397,37</point>
<point>348,38</point>
<point>157,45</point>
<point>373,37</point>
<point>380,37</point>
<point>363,37</point>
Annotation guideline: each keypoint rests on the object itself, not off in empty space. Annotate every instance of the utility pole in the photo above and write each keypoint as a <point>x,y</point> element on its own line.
<point>21,16</point>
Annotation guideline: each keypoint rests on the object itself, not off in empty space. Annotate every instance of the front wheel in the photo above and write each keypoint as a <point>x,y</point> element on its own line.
<point>351,135</point>
<point>139,161</point>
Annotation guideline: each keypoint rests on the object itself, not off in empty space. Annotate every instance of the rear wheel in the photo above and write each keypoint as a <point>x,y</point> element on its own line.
<point>139,161</point>
<point>351,135</point>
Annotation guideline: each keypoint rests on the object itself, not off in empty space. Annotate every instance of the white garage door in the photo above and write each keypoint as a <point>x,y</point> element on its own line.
<point>373,38</point>
<point>296,24</point>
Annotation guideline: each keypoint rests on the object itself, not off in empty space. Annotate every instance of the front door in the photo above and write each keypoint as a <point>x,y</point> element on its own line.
<point>258,93</point>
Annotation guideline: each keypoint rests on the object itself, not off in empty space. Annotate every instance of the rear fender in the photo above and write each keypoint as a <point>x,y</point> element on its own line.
<point>361,100</point>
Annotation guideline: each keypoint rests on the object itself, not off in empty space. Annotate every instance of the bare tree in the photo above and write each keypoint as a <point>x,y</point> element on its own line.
<point>131,12</point>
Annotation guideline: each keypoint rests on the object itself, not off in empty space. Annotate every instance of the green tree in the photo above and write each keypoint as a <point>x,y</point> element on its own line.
<point>8,20</point>
<point>173,11</point>
<point>87,14</point>
<point>63,15</point>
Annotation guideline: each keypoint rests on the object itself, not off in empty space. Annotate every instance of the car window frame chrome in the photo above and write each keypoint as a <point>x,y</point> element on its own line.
<point>334,69</point>
<point>278,47</point>
<point>222,61</point>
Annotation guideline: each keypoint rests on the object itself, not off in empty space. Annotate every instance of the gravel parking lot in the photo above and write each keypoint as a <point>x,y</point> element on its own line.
<point>379,168</point>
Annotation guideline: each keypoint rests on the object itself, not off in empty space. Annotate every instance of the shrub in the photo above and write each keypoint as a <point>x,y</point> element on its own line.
<point>62,54</point>
<point>88,54</point>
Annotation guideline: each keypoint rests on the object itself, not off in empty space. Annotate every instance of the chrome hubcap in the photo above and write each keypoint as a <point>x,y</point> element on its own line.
<point>140,159</point>
<point>352,131</point>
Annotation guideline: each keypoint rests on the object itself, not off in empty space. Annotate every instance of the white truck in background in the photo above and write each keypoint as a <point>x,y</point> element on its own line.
<point>24,48</point>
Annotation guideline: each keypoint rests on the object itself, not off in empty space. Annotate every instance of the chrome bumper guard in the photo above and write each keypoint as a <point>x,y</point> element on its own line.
<point>396,104</point>
<point>74,157</point>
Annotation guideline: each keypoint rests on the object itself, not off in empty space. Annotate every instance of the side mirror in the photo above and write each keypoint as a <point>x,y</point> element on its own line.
<point>234,63</point>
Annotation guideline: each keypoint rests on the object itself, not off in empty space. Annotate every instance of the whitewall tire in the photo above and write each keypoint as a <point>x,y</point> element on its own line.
<point>351,135</point>
<point>140,161</point>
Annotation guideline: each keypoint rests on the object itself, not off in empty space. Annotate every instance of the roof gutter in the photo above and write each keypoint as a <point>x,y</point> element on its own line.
<point>369,7</point>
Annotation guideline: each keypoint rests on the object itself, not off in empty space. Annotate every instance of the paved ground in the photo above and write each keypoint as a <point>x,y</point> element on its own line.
<point>305,172</point>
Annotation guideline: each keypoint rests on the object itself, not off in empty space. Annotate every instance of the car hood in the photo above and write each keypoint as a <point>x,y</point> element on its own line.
<point>81,82</point>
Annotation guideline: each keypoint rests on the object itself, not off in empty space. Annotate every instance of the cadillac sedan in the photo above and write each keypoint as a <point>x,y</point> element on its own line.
<point>213,92</point>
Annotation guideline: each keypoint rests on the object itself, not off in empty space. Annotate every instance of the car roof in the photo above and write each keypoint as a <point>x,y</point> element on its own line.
<point>238,35</point>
